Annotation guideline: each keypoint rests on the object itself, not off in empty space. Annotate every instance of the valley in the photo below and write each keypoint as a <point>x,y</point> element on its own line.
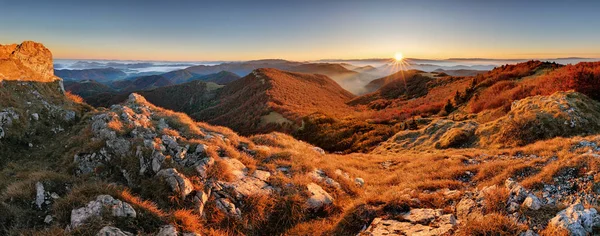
<point>512,151</point>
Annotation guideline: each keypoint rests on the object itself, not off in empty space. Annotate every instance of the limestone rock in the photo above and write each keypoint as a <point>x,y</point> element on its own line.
<point>262,175</point>
<point>439,226</point>
<point>94,208</point>
<point>465,207</point>
<point>577,220</point>
<point>40,197</point>
<point>422,216</point>
<point>532,202</point>
<point>167,230</point>
<point>318,197</point>
<point>177,181</point>
<point>227,206</point>
<point>28,61</point>
<point>112,231</point>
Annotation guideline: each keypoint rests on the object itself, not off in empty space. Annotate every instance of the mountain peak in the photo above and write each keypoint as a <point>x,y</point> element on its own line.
<point>28,61</point>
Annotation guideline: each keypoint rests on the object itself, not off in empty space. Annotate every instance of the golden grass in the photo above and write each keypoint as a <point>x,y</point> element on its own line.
<point>490,224</point>
<point>186,221</point>
<point>74,97</point>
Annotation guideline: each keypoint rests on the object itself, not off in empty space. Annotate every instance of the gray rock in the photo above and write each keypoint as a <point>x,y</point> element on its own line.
<point>532,202</point>
<point>35,116</point>
<point>262,175</point>
<point>318,197</point>
<point>422,216</point>
<point>177,181</point>
<point>48,219</point>
<point>69,115</point>
<point>359,181</point>
<point>228,207</point>
<point>39,195</point>
<point>465,207</point>
<point>319,150</point>
<point>119,146</point>
<point>200,200</point>
<point>94,208</point>
<point>167,230</point>
<point>112,231</point>
<point>577,220</point>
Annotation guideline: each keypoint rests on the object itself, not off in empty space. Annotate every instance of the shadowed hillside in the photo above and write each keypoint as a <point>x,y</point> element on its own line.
<point>270,98</point>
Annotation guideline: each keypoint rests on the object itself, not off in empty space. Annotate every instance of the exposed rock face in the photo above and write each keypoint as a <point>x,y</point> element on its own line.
<point>28,61</point>
<point>177,181</point>
<point>577,220</point>
<point>418,222</point>
<point>94,208</point>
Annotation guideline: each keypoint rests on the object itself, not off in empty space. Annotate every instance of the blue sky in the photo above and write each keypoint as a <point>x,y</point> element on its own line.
<point>304,30</point>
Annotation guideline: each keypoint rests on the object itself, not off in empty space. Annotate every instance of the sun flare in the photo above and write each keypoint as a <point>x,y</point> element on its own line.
<point>398,56</point>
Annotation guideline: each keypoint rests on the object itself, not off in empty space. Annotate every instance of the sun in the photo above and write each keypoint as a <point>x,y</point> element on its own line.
<point>398,56</point>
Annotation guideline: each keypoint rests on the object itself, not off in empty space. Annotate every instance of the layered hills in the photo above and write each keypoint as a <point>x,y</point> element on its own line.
<point>509,152</point>
<point>269,98</point>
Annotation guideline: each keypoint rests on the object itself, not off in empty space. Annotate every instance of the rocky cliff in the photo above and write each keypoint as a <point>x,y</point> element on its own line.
<point>28,61</point>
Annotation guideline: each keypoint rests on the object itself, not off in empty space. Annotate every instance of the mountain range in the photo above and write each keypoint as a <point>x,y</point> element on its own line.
<point>512,151</point>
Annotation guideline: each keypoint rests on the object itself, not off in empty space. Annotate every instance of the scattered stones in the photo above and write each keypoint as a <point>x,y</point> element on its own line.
<point>320,175</point>
<point>94,208</point>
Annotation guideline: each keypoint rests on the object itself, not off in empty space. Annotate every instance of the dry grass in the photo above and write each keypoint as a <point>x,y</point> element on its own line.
<point>186,221</point>
<point>554,231</point>
<point>490,224</point>
<point>74,97</point>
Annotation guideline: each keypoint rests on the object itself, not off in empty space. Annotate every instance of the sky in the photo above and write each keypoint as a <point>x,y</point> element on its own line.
<point>304,30</point>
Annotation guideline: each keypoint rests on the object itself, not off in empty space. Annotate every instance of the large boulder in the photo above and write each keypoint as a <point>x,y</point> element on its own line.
<point>28,61</point>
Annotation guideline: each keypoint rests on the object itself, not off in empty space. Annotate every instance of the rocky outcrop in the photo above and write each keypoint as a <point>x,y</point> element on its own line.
<point>94,208</point>
<point>542,117</point>
<point>28,61</point>
<point>177,181</point>
<point>577,220</point>
<point>416,222</point>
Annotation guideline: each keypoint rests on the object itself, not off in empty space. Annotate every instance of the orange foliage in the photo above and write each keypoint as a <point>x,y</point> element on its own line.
<point>74,97</point>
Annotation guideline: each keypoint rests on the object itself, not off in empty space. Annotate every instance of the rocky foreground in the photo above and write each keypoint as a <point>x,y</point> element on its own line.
<point>138,169</point>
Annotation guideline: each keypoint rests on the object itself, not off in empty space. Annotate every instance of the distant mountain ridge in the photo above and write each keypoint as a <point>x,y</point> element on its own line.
<point>103,75</point>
